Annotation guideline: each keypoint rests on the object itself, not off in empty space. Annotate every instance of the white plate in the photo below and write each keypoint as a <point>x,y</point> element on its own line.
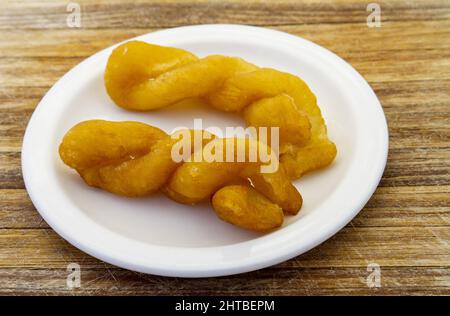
<point>156,235</point>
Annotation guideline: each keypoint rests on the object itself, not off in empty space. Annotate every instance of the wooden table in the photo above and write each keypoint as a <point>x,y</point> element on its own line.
<point>405,227</point>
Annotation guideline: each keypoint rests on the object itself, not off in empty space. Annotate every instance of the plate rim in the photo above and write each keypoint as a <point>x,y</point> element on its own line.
<point>193,271</point>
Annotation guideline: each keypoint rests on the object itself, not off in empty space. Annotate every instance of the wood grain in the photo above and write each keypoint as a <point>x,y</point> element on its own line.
<point>405,227</point>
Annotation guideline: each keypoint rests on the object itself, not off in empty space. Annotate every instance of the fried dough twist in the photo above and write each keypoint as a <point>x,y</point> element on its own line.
<point>135,159</point>
<point>141,76</point>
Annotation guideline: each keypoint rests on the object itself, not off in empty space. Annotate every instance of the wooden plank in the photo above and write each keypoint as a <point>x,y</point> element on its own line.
<point>349,39</point>
<point>143,14</point>
<point>17,210</point>
<point>352,247</point>
<point>272,281</point>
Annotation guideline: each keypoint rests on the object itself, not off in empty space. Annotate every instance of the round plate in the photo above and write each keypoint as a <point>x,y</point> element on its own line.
<point>156,235</point>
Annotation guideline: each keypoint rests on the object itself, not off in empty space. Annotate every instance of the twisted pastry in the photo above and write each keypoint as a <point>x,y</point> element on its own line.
<point>141,76</point>
<point>135,159</point>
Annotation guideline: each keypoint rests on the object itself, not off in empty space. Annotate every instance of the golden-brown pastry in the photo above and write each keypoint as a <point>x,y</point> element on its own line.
<point>134,159</point>
<point>141,76</point>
